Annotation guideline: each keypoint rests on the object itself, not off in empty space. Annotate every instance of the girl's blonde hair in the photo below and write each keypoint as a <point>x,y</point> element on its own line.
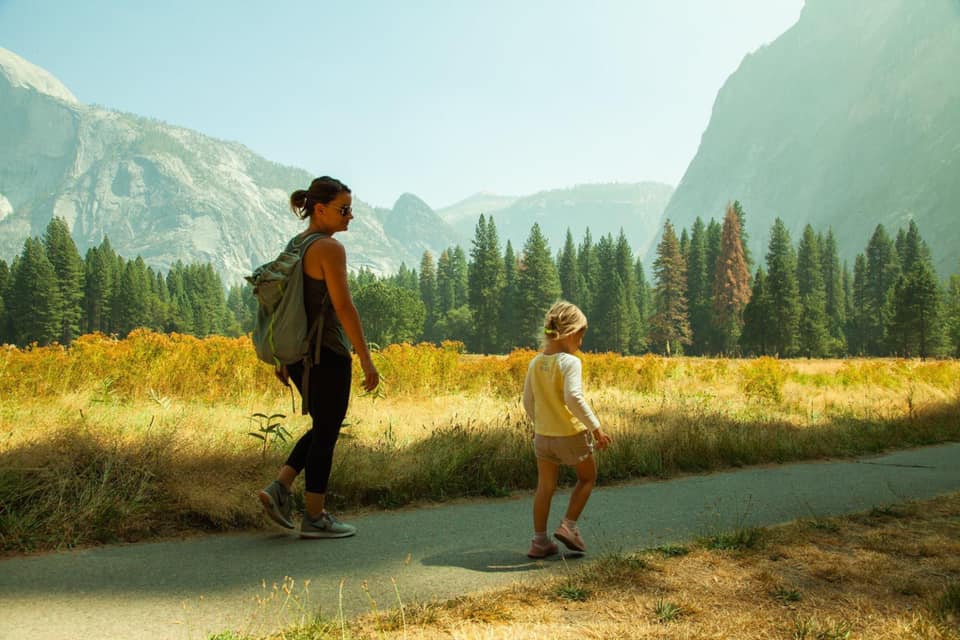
<point>563,319</point>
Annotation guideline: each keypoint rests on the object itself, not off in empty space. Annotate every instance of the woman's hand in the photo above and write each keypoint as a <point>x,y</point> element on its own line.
<point>601,439</point>
<point>371,377</point>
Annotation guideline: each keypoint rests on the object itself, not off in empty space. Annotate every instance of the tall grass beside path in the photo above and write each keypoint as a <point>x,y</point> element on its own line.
<point>127,440</point>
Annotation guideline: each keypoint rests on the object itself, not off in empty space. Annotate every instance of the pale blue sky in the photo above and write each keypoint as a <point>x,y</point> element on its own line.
<point>441,98</point>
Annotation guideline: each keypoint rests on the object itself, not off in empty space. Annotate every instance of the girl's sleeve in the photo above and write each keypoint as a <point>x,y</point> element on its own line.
<point>528,404</point>
<point>573,392</point>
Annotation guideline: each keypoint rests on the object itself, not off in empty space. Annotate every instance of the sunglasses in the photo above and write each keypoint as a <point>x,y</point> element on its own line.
<point>346,210</point>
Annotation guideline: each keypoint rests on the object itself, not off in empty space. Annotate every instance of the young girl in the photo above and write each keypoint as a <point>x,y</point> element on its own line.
<point>565,428</point>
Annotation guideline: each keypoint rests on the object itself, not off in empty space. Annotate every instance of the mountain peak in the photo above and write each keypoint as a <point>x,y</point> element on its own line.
<point>21,73</point>
<point>409,200</point>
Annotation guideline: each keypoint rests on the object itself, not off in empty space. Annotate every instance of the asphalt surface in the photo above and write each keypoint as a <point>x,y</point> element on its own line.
<point>196,587</point>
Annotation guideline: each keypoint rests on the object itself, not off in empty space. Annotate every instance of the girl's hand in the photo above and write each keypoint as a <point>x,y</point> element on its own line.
<point>601,440</point>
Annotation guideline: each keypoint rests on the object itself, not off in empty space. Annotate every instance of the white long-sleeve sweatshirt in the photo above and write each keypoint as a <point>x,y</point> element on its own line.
<point>553,396</point>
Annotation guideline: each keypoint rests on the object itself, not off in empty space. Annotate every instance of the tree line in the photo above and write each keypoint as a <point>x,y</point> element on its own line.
<point>50,294</point>
<point>704,297</point>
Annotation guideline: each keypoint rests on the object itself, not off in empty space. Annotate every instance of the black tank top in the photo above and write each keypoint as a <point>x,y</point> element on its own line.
<point>316,301</point>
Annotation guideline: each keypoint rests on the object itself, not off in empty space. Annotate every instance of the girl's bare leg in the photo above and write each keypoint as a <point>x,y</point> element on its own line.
<point>547,473</point>
<point>586,478</point>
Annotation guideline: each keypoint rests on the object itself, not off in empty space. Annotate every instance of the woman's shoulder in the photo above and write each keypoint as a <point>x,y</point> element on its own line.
<point>325,245</point>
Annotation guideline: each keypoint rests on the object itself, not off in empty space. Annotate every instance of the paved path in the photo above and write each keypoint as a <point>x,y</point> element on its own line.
<point>189,589</point>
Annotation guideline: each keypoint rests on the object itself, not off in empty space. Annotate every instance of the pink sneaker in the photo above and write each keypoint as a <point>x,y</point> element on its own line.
<point>570,537</point>
<point>541,549</point>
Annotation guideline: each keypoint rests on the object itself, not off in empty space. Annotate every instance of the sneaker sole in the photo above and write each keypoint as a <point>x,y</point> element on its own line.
<point>569,543</point>
<point>317,535</point>
<point>545,555</point>
<point>272,510</point>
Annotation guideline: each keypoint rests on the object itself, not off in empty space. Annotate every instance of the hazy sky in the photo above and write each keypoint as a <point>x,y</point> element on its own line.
<point>441,98</point>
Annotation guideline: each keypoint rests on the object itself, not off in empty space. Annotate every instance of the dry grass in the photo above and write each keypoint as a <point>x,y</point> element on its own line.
<point>126,440</point>
<point>884,575</point>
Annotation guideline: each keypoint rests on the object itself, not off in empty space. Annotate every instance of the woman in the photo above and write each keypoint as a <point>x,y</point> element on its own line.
<point>328,206</point>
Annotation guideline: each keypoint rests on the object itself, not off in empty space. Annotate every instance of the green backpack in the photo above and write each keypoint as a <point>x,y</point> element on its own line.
<point>281,335</point>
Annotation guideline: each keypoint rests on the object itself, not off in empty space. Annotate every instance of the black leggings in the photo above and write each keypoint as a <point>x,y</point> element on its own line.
<point>329,394</point>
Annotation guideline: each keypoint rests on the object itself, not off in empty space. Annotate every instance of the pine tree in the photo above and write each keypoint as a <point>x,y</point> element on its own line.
<point>538,287</point>
<point>34,306</point>
<point>712,242</point>
<point>446,288</point>
<point>758,319</point>
<point>5,281</point>
<point>589,280</point>
<point>485,280</point>
<point>158,305</point>
<point>698,290</point>
<point>458,271</point>
<point>405,278</point>
<point>508,329</point>
<point>847,301</point>
<point>613,324</point>
<point>132,297</point>
<point>624,268</point>
<point>858,322</point>
<point>744,236</point>
<point>731,285</point>
<point>670,326</point>
<point>117,305</point>
<point>68,267</point>
<point>883,270</point>
<point>953,314</point>
<point>180,316</point>
<point>813,332</point>
<point>644,302</point>
<point>238,311</point>
<point>569,272</point>
<point>610,322</point>
<point>915,327</point>
<point>428,293</point>
<point>784,291</point>
<point>98,287</point>
<point>835,295</point>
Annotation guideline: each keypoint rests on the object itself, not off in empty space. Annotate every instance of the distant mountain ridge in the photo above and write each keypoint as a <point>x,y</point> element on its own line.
<point>167,193</point>
<point>163,192</point>
<point>637,208</point>
<point>851,118</point>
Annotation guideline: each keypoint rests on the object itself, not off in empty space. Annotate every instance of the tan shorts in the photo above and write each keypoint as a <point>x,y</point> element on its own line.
<point>571,450</point>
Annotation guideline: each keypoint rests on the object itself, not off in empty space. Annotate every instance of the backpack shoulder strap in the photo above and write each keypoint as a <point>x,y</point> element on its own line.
<point>300,244</point>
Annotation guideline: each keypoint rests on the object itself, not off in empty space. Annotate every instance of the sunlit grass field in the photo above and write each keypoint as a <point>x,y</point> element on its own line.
<point>150,436</point>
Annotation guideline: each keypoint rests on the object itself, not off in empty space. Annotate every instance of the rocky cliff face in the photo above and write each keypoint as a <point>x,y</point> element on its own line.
<point>163,192</point>
<point>849,119</point>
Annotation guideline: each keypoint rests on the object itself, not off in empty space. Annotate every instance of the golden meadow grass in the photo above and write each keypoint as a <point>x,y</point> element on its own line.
<point>892,573</point>
<point>126,440</point>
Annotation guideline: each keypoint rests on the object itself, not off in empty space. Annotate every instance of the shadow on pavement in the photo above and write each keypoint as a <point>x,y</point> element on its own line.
<point>494,560</point>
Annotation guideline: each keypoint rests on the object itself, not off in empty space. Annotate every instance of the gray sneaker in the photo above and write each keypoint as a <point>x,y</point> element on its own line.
<point>325,526</point>
<point>277,502</point>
